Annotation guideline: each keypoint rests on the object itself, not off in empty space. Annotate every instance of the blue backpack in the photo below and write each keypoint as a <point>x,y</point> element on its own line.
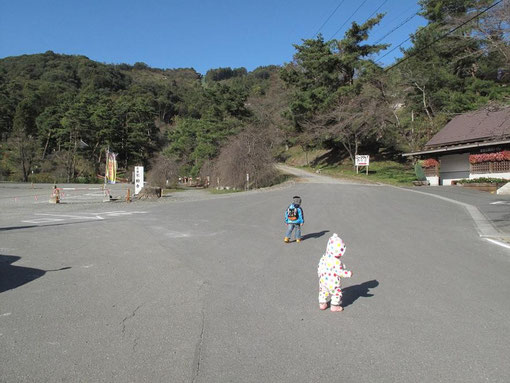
<point>292,213</point>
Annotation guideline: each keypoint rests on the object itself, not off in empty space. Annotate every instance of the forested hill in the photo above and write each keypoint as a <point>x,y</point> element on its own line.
<point>59,113</point>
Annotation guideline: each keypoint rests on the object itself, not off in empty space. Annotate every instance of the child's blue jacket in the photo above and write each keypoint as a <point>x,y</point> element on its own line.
<point>301,217</point>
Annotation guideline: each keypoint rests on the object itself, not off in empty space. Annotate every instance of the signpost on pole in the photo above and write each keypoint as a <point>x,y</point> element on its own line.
<point>362,160</point>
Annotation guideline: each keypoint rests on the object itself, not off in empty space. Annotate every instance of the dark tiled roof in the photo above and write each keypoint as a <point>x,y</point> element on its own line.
<point>479,126</point>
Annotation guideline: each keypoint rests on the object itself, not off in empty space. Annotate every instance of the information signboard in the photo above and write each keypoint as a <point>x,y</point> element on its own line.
<point>362,160</point>
<point>138,179</point>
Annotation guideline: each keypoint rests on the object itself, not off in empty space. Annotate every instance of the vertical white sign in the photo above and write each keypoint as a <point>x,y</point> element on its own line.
<point>138,179</point>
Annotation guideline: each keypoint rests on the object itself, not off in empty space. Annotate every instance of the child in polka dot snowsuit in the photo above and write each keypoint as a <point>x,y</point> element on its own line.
<point>330,271</point>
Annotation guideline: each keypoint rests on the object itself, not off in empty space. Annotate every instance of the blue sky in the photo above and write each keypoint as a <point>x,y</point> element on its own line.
<point>200,34</point>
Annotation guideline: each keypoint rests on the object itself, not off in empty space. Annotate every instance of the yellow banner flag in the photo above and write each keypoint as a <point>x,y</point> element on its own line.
<point>111,168</point>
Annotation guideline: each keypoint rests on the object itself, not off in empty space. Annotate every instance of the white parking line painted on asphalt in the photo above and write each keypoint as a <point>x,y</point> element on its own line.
<point>117,212</point>
<point>176,234</point>
<point>498,243</point>
<point>81,215</point>
<point>69,216</point>
<point>500,203</point>
<point>44,220</point>
<point>81,196</point>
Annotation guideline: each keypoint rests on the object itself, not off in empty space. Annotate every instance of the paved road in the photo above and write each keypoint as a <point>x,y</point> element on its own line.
<point>493,208</point>
<point>496,208</point>
<point>195,288</point>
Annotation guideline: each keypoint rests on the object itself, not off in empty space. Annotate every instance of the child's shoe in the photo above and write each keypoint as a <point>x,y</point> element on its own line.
<point>337,308</point>
<point>286,239</point>
<point>323,306</point>
<point>298,240</point>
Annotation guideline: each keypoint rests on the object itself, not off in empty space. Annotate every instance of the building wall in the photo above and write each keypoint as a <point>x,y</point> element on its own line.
<point>453,167</point>
<point>433,180</point>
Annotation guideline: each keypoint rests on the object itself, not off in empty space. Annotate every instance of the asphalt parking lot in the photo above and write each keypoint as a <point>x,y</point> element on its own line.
<point>201,288</point>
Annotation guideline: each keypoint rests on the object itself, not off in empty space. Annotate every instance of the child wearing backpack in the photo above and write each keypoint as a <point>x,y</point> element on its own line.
<point>294,218</point>
<point>330,271</point>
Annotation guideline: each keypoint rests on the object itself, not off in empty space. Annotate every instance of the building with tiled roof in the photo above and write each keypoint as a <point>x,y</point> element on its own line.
<point>471,145</point>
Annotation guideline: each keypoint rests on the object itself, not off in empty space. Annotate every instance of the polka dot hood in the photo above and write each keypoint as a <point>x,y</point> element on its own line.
<point>331,268</point>
<point>336,246</point>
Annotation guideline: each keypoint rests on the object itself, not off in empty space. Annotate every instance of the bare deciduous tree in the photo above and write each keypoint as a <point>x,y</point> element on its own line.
<point>25,152</point>
<point>354,119</point>
<point>248,153</point>
<point>163,171</point>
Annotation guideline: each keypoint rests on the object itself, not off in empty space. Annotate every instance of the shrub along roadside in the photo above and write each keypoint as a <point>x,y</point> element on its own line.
<point>482,180</point>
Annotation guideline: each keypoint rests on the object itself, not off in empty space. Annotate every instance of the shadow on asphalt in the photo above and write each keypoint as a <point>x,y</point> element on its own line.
<point>352,293</point>
<point>12,277</point>
<point>16,227</point>
<point>314,235</point>
<point>42,225</point>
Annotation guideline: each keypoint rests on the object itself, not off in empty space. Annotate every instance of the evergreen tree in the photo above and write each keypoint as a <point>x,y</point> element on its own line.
<point>446,73</point>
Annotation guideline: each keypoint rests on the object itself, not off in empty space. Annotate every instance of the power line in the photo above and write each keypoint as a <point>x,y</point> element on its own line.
<point>374,12</point>
<point>436,40</point>
<point>397,27</point>
<point>331,15</point>
<point>387,53</point>
<point>357,9</point>
<point>398,19</point>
